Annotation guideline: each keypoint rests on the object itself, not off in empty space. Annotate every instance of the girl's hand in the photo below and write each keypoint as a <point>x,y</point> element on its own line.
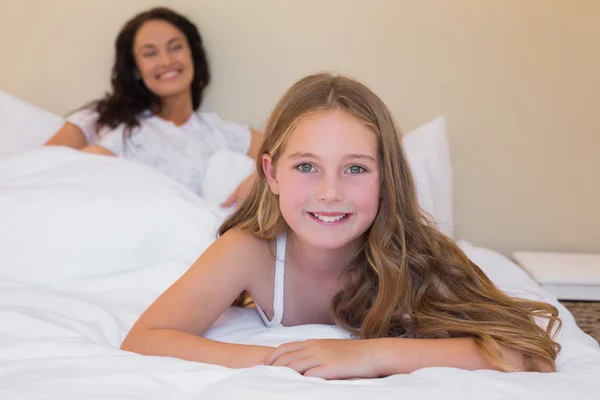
<point>328,358</point>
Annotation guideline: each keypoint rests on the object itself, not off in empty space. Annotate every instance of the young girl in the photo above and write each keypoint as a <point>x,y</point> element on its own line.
<point>331,233</point>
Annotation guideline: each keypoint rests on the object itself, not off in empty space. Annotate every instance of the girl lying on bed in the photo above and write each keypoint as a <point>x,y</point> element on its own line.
<point>331,233</point>
<point>151,116</point>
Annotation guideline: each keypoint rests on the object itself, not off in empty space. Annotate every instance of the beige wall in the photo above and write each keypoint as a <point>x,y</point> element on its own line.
<point>518,81</point>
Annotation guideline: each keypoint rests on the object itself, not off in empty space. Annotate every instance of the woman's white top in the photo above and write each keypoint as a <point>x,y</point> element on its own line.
<point>181,152</point>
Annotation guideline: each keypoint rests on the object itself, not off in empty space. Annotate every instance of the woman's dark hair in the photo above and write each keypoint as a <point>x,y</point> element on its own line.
<point>130,96</point>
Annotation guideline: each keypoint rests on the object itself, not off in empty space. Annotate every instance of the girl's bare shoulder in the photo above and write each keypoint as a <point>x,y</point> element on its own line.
<point>245,248</point>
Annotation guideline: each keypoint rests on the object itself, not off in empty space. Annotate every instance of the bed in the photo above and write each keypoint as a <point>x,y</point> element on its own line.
<point>88,242</point>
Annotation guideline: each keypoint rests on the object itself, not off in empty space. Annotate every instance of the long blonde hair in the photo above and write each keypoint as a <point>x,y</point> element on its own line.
<point>408,279</point>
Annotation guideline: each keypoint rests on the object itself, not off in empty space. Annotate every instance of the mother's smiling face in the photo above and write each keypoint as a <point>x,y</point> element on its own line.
<point>163,58</point>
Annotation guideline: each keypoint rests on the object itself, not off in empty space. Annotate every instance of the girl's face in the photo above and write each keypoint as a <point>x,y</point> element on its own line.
<point>328,179</point>
<point>163,58</point>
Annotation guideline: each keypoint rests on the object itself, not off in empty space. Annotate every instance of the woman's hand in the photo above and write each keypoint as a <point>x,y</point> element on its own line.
<point>103,151</point>
<point>327,358</point>
<point>240,193</point>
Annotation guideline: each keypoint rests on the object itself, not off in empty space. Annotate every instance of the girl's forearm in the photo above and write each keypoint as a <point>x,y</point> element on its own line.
<point>173,343</point>
<point>402,356</point>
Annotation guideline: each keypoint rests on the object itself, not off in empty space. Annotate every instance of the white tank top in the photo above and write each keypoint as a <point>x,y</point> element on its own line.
<point>278,287</point>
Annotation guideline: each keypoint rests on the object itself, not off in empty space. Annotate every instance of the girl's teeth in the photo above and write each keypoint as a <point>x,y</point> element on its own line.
<point>329,219</point>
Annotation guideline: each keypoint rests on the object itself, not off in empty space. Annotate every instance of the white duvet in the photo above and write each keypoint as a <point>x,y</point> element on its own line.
<point>87,242</point>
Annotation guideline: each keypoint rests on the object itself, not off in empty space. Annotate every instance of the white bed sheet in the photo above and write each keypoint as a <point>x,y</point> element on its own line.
<point>61,323</point>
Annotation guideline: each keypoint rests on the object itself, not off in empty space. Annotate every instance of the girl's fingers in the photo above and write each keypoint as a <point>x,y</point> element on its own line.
<point>283,349</point>
<point>322,371</point>
<point>303,364</point>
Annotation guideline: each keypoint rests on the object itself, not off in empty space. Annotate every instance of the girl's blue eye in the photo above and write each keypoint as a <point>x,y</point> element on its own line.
<point>177,47</point>
<point>149,54</point>
<point>305,168</point>
<point>355,169</point>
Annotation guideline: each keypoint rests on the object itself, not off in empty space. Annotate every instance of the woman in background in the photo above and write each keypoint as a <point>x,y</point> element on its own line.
<point>151,116</point>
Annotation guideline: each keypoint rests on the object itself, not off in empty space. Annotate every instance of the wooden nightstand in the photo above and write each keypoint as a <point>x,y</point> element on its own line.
<point>573,278</point>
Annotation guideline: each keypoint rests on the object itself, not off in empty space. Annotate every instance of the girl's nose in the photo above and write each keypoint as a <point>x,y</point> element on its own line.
<point>329,190</point>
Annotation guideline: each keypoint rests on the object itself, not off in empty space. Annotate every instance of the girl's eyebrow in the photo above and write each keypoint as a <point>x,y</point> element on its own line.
<point>298,155</point>
<point>360,157</point>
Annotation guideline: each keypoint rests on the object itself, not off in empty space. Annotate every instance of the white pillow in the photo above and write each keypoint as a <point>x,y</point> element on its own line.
<point>24,126</point>
<point>428,155</point>
<point>225,170</point>
<point>67,214</point>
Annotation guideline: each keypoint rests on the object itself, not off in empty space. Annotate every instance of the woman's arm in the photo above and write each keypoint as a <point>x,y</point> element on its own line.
<point>69,135</point>
<point>173,324</point>
<point>255,142</point>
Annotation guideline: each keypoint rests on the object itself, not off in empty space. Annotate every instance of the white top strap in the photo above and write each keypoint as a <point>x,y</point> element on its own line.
<point>279,276</point>
<point>278,287</point>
